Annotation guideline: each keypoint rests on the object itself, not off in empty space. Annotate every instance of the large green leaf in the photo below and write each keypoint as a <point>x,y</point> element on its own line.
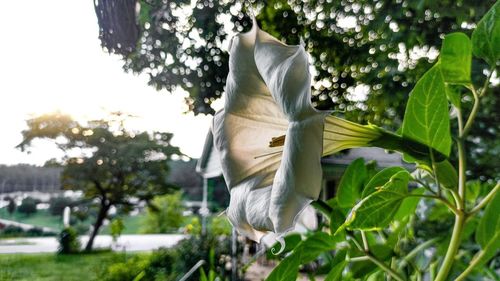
<point>455,58</point>
<point>409,205</point>
<point>314,245</point>
<point>336,273</point>
<point>380,179</point>
<point>426,118</point>
<point>349,190</point>
<point>486,37</point>
<point>287,269</point>
<point>489,225</point>
<point>378,209</point>
<point>338,264</point>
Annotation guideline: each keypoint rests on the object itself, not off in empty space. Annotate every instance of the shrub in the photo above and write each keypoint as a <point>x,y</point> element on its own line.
<point>28,206</point>
<point>57,205</point>
<point>165,214</point>
<point>11,207</point>
<point>128,270</point>
<point>68,241</point>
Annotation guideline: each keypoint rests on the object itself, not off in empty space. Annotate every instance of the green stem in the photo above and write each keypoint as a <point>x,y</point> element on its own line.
<point>477,258</point>
<point>365,241</point>
<point>375,260</point>
<point>473,112</point>
<point>452,248</point>
<point>384,267</point>
<point>461,174</point>
<point>415,251</point>
<point>322,207</point>
<point>446,202</point>
<point>356,259</point>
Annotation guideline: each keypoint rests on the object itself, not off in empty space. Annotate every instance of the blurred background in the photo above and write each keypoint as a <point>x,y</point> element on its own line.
<point>106,168</point>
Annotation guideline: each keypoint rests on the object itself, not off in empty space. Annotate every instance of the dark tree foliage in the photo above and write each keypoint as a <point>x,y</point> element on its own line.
<point>381,47</point>
<point>11,207</point>
<point>111,165</point>
<point>28,206</point>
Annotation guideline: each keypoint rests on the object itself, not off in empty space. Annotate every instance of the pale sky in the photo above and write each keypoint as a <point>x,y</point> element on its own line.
<point>51,59</point>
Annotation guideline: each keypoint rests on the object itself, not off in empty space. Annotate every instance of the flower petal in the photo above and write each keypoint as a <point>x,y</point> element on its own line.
<point>298,180</point>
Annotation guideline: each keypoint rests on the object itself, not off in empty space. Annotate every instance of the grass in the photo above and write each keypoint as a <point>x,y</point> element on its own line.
<point>133,225</point>
<point>41,218</point>
<point>52,267</point>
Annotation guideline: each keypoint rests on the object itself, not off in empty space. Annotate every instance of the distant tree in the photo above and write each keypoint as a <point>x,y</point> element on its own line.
<point>11,206</point>
<point>164,215</point>
<point>113,166</point>
<point>28,206</point>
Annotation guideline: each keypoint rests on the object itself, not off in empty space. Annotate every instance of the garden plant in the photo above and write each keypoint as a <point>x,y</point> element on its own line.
<point>381,225</point>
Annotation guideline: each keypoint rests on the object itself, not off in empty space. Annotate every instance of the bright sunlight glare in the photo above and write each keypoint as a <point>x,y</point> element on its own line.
<point>51,60</point>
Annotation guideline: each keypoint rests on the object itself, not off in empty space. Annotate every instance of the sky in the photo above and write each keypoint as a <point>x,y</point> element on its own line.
<point>51,60</point>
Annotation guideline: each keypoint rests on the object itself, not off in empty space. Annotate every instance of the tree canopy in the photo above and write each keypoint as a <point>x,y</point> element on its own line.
<point>107,162</point>
<point>367,55</point>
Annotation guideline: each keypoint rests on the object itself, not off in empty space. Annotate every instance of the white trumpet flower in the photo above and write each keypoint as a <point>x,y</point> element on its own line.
<point>268,98</point>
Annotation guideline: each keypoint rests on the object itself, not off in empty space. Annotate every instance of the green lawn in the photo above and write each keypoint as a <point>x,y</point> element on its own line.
<point>45,267</point>
<point>41,218</point>
<point>133,225</point>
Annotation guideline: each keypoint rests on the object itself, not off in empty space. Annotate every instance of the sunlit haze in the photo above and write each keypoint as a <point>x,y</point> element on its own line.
<point>51,60</point>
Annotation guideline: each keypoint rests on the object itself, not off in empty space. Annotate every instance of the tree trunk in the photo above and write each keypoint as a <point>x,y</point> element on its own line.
<point>103,213</point>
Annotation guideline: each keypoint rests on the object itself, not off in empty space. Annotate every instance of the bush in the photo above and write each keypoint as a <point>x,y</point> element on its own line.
<point>16,231</point>
<point>169,264</point>
<point>28,206</point>
<point>128,270</point>
<point>190,251</point>
<point>57,205</point>
<point>11,207</point>
<point>68,241</point>
<point>161,265</point>
<point>165,214</point>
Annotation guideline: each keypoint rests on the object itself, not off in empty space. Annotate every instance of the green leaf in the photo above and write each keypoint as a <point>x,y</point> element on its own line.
<point>380,179</point>
<point>349,190</point>
<point>490,249</point>
<point>336,273</point>
<point>446,174</point>
<point>287,269</point>
<point>203,275</point>
<point>378,209</point>
<point>486,37</point>
<point>339,263</point>
<point>409,205</point>
<point>426,118</point>
<point>489,225</point>
<point>453,94</point>
<point>316,244</point>
<point>455,58</point>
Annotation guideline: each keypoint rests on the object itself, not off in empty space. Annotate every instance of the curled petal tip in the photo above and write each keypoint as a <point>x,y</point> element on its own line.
<point>280,240</point>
